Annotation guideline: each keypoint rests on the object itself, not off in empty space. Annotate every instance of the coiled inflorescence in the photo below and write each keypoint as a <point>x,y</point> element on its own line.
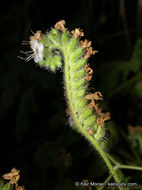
<point>58,47</point>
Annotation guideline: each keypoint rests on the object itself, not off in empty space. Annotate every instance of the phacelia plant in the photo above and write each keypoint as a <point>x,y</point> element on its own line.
<point>62,48</point>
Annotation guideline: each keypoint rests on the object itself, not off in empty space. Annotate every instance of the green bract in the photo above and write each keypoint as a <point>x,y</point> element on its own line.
<point>60,48</point>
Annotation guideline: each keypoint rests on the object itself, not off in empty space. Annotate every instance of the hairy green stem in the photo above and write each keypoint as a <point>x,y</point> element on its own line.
<point>88,137</point>
<point>112,159</point>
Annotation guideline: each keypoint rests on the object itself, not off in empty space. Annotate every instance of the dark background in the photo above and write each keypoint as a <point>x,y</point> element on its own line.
<point>34,133</point>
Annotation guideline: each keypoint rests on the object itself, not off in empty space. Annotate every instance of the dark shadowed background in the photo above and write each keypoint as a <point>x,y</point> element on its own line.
<point>34,133</point>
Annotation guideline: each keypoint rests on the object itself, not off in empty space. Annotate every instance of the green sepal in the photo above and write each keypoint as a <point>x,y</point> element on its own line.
<point>42,63</point>
<point>76,54</point>
<point>78,64</point>
<point>79,84</point>
<point>100,133</point>
<point>80,104</point>
<point>79,93</point>
<point>65,38</point>
<point>86,113</point>
<point>53,36</point>
<point>52,65</point>
<point>57,61</point>
<point>72,45</point>
<point>79,74</point>
<point>47,62</point>
<point>89,121</point>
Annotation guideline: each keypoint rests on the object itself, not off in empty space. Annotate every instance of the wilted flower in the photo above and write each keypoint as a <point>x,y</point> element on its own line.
<point>37,50</point>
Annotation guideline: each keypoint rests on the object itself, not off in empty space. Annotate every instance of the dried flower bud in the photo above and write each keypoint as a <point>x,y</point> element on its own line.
<point>77,33</point>
<point>60,26</point>
<point>85,44</point>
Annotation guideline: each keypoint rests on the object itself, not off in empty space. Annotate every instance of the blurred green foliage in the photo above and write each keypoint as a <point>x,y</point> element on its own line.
<point>5,186</point>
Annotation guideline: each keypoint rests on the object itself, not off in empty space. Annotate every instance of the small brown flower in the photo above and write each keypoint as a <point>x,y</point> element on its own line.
<point>88,69</point>
<point>85,44</point>
<point>13,176</point>
<point>77,33</point>
<point>107,116</point>
<point>102,118</point>
<point>90,132</point>
<point>36,36</point>
<point>100,121</point>
<point>89,52</point>
<point>91,105</point>
<point>94,96</point>
<point>19,187</point>
<point>88,77</point>
<point>60,26</point>
<point>97,109</point>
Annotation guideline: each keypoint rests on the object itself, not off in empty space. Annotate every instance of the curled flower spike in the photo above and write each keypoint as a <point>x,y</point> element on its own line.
<point>60,48</point>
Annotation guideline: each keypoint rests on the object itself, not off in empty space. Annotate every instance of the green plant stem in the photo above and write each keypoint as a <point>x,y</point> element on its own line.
<point>99,149</point>
<point>112,159</point>
<point>105,182</point>
<point>130,167</point>
<point>82,130</point>
<point>122,166</point>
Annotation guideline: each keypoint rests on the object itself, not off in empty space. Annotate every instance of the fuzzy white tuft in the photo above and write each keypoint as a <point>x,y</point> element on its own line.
<point>38,50</point>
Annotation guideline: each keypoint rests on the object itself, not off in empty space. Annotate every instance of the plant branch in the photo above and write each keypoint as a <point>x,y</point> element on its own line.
<point>105,182</point>
<point>122,166</point>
